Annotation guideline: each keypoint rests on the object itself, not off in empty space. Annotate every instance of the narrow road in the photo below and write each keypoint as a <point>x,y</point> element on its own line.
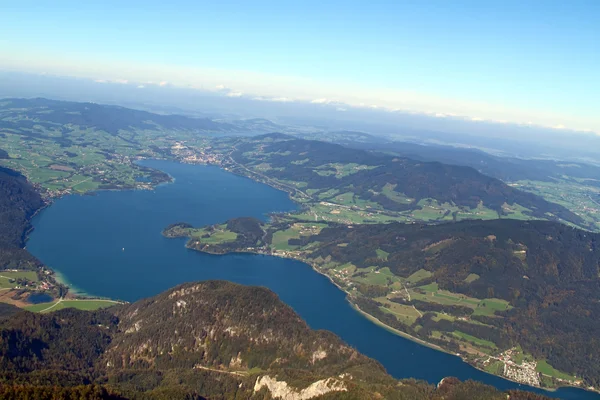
<point>266,177</point>
<point>53,305</point>
<point>219,370</point>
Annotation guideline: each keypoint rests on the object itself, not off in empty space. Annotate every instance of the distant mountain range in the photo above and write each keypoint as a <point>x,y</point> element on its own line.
<point>110,119</point>
<point>508,169</point>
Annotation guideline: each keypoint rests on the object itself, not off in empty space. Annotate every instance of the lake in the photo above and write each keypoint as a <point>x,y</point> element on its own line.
<point>110,245</point>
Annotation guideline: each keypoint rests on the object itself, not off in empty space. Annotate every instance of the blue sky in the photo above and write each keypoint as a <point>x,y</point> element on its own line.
<point>518,61</point>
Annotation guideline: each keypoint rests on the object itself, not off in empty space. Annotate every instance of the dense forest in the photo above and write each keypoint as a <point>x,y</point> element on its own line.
<point>548,272</point>
<point>199,340</point>
<point>18,202</point>
<point>299,160</point>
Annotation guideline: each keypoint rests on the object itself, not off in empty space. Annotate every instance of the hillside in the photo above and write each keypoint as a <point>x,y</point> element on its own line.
<point>214,340</point>
<point>18,202</point>
<point>66,147</point>
<point>572,184</point>
<point>110,119</point>
<point>381,186</point>
<point>522,294</point>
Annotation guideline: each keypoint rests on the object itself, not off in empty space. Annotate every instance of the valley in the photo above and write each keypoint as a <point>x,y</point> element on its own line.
<point>346,197</point>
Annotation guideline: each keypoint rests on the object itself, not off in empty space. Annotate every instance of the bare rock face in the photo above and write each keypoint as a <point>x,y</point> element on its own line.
<point>281,390</point>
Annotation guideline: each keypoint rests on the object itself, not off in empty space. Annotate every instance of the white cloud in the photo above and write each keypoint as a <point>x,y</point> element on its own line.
<point>342,109</point>
<point>559,126</point>
<point>141,86</point>
<point>281,99</point>
<point>234,94</point>
<point>477,119</point>
<point>286,88</point>
<point>122,81</point>
<point>274,99</point>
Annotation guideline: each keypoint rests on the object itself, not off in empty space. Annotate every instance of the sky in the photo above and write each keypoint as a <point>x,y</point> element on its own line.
<point>527,62</point>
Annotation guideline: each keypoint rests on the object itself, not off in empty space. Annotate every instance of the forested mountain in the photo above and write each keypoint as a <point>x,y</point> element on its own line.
<point>18,202</point>
<point>214,340</point>
<point>498,292</point>
<point>548,273</point>
<point>389,182</point>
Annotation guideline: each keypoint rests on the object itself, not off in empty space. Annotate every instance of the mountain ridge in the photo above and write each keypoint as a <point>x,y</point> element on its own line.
<point>162,347</point>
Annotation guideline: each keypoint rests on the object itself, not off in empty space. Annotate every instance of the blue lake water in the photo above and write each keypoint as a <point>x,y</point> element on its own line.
<point>37,298</point>
<point>111,245</point>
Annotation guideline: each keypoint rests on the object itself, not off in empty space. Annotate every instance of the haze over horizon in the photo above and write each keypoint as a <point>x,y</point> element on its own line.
<point>530,64</point>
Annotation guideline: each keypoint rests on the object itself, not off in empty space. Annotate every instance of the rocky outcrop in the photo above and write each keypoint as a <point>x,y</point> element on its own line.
<point>281,390</point>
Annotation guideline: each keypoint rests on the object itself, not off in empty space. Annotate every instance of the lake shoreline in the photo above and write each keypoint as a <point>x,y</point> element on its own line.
<point>356,309</point>
<point>388,328</point>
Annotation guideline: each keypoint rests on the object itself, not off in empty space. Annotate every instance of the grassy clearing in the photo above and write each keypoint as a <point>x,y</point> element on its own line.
<point>547,369</point>
<point>418,276</point>
<point>405,314</point>
<point>474,340</point>
<point>495,367</point>
<point>471,278</point>
<point>87,305</point>
<point>489,307</point>
<point>388,191</point>
<point>381,277</point>
<point>341,170</point>
<point>432,293</point>
<point>517,211</point>
<point>440,316</point>
<point>327,194</point>
<point>382,254</point>
<point>431,288</point>
<point>280,239</point>
<point>219,237</point>
<point>323,212</point>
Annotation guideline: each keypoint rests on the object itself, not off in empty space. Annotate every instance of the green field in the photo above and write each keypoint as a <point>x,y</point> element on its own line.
<point>382,254</point>
<point>487,307</point>
<point>332,213</point>
<point>341,170</point>
<point>546,369</point>
<point>217,234</point>
<point>280,239</point>
<point>8,278</point>
<point>474,340</point>
<point>219,237</point>
<point>575,194</point>
<point>388,191</point>
<point>418,276</point>
<point>405,314</point>
<point>495,367</point>
<point>78,304</point>
<point>382,277</point>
